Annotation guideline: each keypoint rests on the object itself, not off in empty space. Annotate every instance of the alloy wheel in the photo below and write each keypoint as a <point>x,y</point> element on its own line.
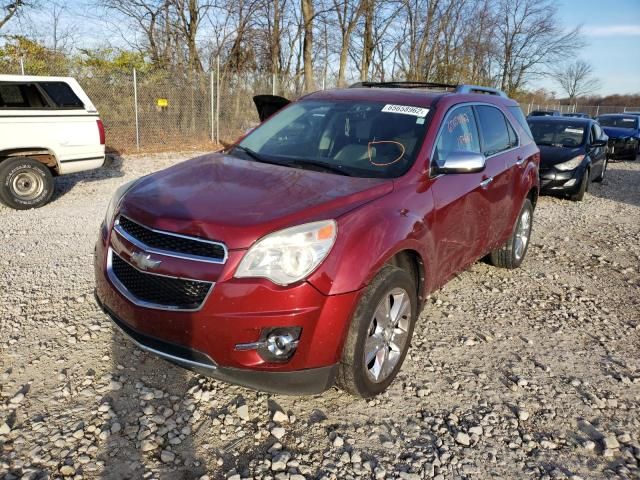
<point>522,233</point>
<point>387,335</point>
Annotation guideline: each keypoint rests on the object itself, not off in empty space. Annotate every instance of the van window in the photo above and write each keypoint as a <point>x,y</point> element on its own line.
<point>519,116</point>
<point>16,95</point>
<point>61,94</point>
<point>493,127</point>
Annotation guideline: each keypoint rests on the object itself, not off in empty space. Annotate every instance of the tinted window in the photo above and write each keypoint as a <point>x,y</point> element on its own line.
<point>17,95</point>
<point>521,119</point>
<point>61,94</point>
<point>459,134</point>
<point>365,139</point>
<point>493,127</point>
<point>620,122</point>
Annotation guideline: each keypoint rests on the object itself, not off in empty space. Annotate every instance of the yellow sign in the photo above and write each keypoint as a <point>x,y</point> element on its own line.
<point>163,102</point>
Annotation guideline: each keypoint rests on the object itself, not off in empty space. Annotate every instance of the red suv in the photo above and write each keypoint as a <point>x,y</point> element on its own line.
<point>301,256</point>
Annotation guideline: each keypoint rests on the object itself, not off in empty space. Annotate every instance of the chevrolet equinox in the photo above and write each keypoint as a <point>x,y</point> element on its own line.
<point>301,256</point>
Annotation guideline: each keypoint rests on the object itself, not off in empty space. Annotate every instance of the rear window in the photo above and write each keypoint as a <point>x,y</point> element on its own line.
<point>38,95</point>
<point>493,127</point>
<point>61,94</point>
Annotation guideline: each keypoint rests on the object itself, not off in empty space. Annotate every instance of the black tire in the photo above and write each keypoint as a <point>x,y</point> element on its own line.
<point>354,374</point>
<point>510,255</point>
<point>584,185</point>
<point>600,177</point>
<point>25,183</point>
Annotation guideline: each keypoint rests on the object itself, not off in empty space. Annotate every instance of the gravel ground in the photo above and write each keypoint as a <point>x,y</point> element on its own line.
<point>533,373</point>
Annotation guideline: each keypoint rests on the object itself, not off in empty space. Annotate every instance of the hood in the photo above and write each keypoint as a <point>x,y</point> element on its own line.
<point>236,201</point>
<point>554,155</point>
<point>617,132</point>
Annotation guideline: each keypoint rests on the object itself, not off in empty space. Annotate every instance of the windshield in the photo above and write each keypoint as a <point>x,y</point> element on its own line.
<point>364,139</point>
<point>557,134</point>
<point>541,113</point>
<point>620,122</point>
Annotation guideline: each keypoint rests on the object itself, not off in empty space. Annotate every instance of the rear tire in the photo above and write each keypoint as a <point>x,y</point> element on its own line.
<point>380,334</point>
<point>584,184</point>
<point>25,183</point>
<point>512,253</point>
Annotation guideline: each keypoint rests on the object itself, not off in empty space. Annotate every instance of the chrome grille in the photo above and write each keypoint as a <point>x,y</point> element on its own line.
<point>168,243</point>
<point>153,290</point>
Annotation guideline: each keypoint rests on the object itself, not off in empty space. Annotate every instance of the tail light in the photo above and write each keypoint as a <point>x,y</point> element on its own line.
<point>100,131</point>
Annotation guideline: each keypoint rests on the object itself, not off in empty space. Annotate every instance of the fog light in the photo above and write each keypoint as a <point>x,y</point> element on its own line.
<point>275,344</point>
<point>281,344</point>
<point>570,183</point>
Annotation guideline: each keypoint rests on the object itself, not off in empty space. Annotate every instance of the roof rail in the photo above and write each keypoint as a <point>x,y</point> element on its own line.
<point>479,89</point>
<point>402,84</point>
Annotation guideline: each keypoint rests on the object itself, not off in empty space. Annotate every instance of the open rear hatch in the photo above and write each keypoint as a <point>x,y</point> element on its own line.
<point>267,105</point>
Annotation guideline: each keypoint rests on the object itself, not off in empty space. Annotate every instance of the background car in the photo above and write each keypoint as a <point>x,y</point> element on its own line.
<point>576,115</point>
<point>623,130</point>
<point>545,113</point>
<point>572,153</point>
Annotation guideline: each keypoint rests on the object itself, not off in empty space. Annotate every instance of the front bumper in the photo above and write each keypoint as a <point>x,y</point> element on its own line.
<point>553,180</point>
<point>237,311</point>
<point>301,382</point>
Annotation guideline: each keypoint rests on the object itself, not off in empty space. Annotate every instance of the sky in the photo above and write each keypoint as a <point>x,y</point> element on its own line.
<point>611,29</point>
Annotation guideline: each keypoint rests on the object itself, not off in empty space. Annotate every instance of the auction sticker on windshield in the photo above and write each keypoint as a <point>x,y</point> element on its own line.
<point>406,110</point>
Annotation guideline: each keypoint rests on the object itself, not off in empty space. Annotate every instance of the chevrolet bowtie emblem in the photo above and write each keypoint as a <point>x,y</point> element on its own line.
<point>144,262</point>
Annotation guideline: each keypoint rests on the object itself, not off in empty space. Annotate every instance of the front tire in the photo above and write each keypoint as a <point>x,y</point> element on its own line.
<point>584,184</point>
<point>380,334</point>
<point>25,183</point>
<point>600,177</point>
<point>512,253</point>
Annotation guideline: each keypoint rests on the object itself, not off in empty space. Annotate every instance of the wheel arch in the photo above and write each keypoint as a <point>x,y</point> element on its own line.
<point>43,155</point>
<point>411,261</point>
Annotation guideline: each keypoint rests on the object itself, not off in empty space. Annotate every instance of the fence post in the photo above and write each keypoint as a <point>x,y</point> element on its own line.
<point>135,107</point>
<point>597,110</point>
<point>218,99</point>
<point>273,85</point>
<point>211,88</point>
<point>22,64</point>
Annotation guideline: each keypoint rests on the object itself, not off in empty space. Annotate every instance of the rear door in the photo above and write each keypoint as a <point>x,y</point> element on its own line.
<point>499,145</point>
<point>462,208</point>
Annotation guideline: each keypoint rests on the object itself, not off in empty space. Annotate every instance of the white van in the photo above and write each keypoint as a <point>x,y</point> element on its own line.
<point>48,127</point>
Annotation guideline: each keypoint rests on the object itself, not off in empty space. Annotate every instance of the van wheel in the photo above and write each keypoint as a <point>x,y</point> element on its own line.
<point>379,334</point>
<point>25,183</point>
<point>511,254</point>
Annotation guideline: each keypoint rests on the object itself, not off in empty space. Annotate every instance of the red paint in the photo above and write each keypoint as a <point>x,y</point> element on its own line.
<point>448,220</point>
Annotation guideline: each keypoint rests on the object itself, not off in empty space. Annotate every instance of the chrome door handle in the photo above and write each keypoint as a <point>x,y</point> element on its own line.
<point>520,160</point>
<point>485,183</point>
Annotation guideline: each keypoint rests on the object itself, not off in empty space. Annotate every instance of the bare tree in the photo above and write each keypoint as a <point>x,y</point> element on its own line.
<point>530,36</point>
<point>307,47</point>
<point>577,79</point>
<point>347,14</point>
<point>10,10</point>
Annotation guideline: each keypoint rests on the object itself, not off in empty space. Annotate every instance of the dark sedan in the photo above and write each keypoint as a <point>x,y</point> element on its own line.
<point>623,130</point>
<point>572,154</point>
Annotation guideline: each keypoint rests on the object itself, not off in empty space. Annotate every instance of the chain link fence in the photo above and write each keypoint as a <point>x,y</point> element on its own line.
<point>163,110</point>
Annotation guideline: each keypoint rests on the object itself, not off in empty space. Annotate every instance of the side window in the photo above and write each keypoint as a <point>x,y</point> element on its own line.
<point>598,131</point>
<point>61,94</point>
<point>513,138</point>
<point>21,95</point>
<point>459,133</point>
<point>493,127</point>
<point>519,116</point>
<point>592,134</point>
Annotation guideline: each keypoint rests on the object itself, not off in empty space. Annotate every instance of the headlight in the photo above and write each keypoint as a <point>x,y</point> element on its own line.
<point>571,164</point>
<point>115,201</point>
<point>289,255</point>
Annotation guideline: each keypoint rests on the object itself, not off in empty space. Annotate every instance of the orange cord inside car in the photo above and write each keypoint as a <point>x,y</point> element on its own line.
<point>389,163</point>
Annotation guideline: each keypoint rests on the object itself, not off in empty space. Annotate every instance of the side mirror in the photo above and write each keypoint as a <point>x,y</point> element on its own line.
<point>599,143</point>
<point>463,162</point>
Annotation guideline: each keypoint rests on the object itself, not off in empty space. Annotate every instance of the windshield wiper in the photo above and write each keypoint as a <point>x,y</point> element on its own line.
<point>257,157</point>
<point>323,165</point>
